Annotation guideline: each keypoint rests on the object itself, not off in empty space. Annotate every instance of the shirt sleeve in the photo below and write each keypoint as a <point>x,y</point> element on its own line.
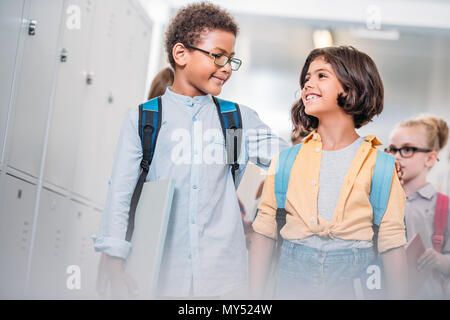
<point>124,176</point>
<point>392,228</point>
<point>261,143</point>
<point>265,222</point>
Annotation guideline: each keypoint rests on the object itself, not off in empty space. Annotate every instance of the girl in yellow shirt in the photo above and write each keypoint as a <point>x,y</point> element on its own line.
<point>328,231</point>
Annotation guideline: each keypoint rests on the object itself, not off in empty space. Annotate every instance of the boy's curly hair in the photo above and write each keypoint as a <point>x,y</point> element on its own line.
<point>190,22</point>
<point>358,74</point>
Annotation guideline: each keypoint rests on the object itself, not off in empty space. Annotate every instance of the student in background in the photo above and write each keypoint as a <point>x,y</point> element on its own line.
<point>162,80</point>
<point>328,236</point>
<point>416,143</point>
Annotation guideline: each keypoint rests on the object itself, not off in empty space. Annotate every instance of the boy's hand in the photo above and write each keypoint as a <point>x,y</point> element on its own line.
<point>111,271</point>
<point>433,260</point>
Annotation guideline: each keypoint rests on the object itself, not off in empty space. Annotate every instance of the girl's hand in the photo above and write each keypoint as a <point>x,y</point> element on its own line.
<point>433,260</point>
<point>398,167</point>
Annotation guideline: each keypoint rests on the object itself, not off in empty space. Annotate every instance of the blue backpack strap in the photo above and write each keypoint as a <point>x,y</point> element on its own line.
<point>231,122</point>
<point>150,115</point>
<point>285,162</point>
<point>149,126</point>
<point>380,189</point>
<point>283,169</point>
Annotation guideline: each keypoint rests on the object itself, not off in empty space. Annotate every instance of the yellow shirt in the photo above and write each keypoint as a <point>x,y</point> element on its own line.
<point>352,219</point>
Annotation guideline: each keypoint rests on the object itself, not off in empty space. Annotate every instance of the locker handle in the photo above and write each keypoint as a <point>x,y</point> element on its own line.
<point>64,53</point>
<point>89,78</point>
<point>32,27</point>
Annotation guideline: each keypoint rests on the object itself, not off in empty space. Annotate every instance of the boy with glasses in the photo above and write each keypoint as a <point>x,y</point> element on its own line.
<point>205,253</point>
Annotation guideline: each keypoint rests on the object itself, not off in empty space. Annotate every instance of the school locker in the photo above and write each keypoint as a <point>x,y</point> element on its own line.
<point>102,70</point>
<point>34,85</point>
<point>10,28</point>
<point>128,88</point>
<point>92,257</point>
<point>83,222</point>
<point>70,92</point>
<point>107,99</point>
<point>17,199</point>
<point>49,261</point>
<point>117,86</point>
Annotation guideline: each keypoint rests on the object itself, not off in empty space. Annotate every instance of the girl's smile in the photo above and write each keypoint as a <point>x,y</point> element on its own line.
<point>321,89</point>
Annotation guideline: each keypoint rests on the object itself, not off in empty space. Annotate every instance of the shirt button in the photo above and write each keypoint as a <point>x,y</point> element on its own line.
<point>195,187</point>
<point>312,219</point>
<point>313,183</point>
<point>317,149</point>
<point>315,136</point>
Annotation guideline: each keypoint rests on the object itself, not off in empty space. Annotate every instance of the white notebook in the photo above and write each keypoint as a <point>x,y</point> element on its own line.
<point>150,228</point>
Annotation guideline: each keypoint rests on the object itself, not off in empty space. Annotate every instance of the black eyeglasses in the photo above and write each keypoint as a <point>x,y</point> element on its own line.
<point>406,152</point>
<point>220,59</point>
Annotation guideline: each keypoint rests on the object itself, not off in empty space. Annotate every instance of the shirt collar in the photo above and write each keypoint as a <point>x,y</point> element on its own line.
<point>185,100</point>
<point>426,192</point>
<point>314,135</point>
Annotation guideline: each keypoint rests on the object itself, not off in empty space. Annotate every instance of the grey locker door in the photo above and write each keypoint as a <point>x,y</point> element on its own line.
<point>119,85</point>
<point>33,89</point>
<point>49,262</point>
<point>10,27</point>
<point>70,93</point>
<point>92,257</point>
<point>137,54</point>
<point>102,68</point>
<point>17,199</point>
<point>83,223</point>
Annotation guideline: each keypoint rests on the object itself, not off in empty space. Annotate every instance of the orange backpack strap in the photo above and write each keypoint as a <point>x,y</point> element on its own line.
<point>440,221</point>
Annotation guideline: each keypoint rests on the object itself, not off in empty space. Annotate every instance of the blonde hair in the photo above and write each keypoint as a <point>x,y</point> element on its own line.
<point>436,130</point>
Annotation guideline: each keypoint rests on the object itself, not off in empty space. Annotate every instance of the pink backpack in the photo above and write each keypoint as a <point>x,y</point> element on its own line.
<point>440,224</point>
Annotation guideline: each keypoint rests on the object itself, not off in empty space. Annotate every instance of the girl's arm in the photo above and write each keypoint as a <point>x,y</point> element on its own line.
<point>265,231</point>
<point>391,241</point>
<point>396,271</point>
<point>260,258</point>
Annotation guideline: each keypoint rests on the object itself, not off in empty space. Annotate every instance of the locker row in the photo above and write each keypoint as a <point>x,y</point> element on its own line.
<point>67,85</point>
<point>62,238</point>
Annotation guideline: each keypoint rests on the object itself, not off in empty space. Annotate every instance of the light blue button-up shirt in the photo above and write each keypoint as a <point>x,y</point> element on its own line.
<point>205,244</point>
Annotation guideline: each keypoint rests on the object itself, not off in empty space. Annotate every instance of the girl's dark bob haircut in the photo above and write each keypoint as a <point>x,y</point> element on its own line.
<point>358,74</point>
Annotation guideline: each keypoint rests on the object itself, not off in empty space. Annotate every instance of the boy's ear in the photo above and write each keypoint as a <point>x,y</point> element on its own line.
<point>180,53</point>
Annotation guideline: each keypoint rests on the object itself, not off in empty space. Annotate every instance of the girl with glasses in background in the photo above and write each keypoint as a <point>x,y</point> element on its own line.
<point>416,144</point>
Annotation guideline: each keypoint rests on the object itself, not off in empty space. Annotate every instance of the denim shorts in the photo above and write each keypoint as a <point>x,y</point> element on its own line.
<point>309,273</point>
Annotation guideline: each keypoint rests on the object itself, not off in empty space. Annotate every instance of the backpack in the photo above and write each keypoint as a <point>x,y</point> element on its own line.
<point>439,225</point>
<point>440,221</point>
<point>150,115</point>
<point>379,196</point>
